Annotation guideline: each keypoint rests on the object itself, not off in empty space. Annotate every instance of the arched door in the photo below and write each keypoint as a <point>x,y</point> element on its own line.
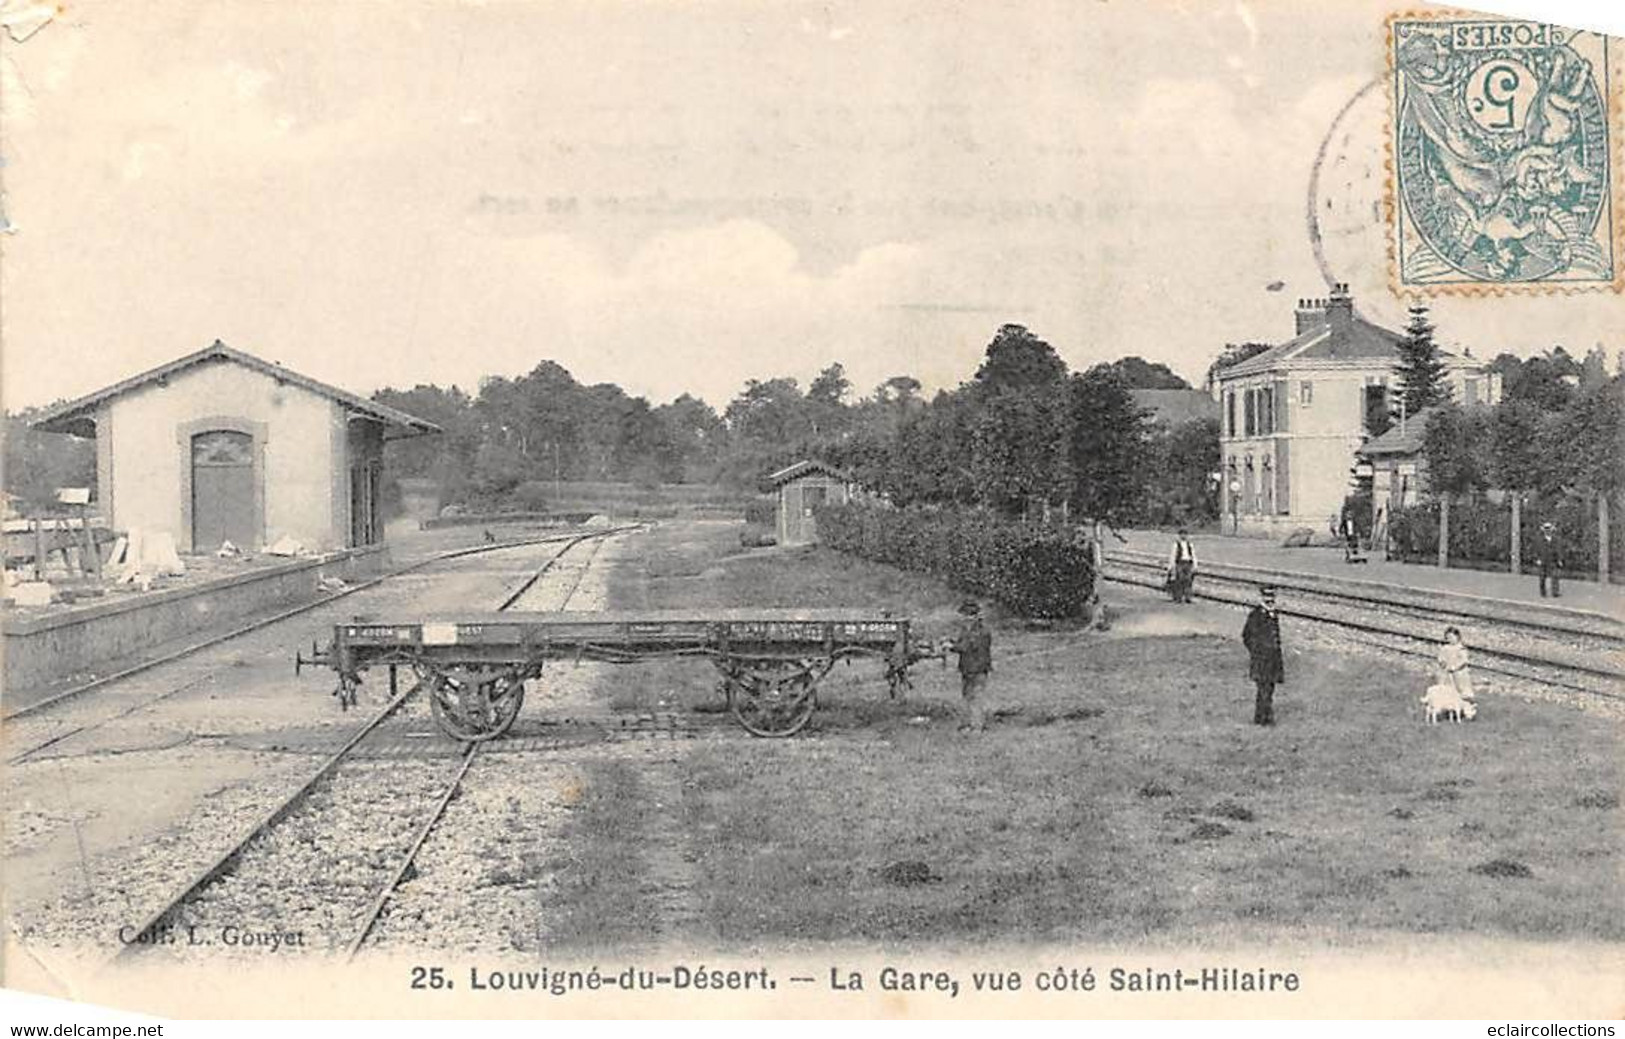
<point>222,490</point>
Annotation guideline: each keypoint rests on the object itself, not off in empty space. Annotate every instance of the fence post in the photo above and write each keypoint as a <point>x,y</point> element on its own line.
<point>1444,531</point>
<point>1516,548</point>
<point>1602,539</point>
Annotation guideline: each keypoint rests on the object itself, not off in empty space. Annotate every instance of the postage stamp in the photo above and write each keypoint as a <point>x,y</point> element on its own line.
<point>1504,167</point>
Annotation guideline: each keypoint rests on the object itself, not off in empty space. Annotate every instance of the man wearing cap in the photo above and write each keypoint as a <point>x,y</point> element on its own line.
<point>974,644</point>
<point>1262,637</point>
<point>1549,554</point>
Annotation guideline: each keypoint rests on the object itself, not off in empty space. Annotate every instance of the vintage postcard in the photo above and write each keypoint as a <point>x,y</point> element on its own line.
<point>725,509</point>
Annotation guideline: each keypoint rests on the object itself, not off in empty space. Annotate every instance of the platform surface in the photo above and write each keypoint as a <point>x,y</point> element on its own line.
<point>1577,594</point>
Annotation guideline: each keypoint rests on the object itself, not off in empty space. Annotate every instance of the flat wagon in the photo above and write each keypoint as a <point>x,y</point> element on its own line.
<point>474,666</point>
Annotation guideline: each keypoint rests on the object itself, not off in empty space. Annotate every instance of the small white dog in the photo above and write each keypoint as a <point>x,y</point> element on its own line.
<point>1441,700</point>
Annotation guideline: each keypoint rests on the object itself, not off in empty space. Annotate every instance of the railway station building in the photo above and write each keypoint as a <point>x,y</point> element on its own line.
<point>221,446</point>
<point>1292,420</point>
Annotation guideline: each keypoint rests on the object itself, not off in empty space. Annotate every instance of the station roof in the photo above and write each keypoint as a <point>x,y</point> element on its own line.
<point>78,417</point>
<point>1359,340</point>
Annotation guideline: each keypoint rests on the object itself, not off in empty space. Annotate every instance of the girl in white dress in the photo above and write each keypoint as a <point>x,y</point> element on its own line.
<point>1453,664</point>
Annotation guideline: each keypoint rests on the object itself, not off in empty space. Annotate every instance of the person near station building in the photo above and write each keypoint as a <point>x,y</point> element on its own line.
<point>1549,556</point>
<point>1182,567</point>
<point>1262,637</point>
<point>974,644</point>
<point>1351,537</point>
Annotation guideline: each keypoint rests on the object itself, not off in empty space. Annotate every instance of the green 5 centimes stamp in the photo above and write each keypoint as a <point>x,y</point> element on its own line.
<point>1504,160</point>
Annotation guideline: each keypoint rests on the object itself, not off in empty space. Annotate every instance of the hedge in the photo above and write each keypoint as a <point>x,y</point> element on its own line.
<point>1034,571</point>
<point>1481,533</point>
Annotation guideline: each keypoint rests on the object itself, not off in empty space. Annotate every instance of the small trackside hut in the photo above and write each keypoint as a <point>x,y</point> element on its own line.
<point>222,446</point>
<point>802,488</point>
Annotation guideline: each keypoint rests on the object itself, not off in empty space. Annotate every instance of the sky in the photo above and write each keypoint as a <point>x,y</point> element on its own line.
<point>677,197</point>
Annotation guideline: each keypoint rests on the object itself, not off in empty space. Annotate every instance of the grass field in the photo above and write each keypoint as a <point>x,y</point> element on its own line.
<point>1127,799</point>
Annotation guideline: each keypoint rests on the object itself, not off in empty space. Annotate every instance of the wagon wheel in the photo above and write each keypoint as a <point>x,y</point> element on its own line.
<point>774,698</point>
<point>477,703</point>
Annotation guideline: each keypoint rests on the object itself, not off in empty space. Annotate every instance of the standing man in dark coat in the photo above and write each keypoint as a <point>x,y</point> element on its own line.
<point>1549,553</point>
<point>974,644</point>
<point>1262,637</point>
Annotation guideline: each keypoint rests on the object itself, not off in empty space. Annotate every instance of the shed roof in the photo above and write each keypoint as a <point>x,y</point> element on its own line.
<point>78,416</point>
<point>804,468</point>
<point>1400,439</point>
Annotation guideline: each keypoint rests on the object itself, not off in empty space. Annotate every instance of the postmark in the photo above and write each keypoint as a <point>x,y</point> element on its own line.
<point>1504,166</point>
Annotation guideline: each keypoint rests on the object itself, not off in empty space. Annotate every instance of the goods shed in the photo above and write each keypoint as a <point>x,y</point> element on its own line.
<point>800,489</point>
<point>221,446</point>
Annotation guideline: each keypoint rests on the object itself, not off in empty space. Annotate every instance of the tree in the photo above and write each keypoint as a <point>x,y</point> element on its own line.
<point>1108,442</point>
<point>932,459</point>
<point>692,440</point>
<point>1546,381</point>
<point>1593,370</point>
<point>1420,369</point>
<point>771,412</point>
<point>1584,450</point>
<point>1178,462</point>
<point>1139,374</point>
<point>902,390</point>
<point>1018,423</point>
<point>1457,447</point>
<point>1018,360</point>
<point>1515,437</point>
<point>827,412</point>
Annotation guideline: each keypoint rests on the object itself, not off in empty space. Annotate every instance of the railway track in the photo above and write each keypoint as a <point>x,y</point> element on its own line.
<point>1586,656</point>
<point>141,702</point>
<point>326,825</point>
<point>376,910</point>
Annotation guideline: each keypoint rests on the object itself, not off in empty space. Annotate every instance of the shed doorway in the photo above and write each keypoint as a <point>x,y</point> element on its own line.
<point>365,489</point>
<point>223,490</point>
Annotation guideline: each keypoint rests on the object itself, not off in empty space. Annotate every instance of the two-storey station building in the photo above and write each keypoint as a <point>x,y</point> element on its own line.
<point>1291,419</point>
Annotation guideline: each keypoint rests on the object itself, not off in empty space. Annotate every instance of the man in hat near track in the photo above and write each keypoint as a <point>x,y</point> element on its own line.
<point>974,644</point>
<point>1182,567</point>
<point>1549,554</point>
<point>1262,637</point>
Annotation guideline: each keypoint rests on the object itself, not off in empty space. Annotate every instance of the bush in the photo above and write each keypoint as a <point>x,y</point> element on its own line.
<point>1035,571</point>
<point>531,495</point>
<point>762,512</point>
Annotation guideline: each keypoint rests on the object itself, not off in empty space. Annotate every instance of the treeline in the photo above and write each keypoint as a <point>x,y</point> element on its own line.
<point>1021,434</point>
<point>1556,433</point>
<point>1556,441</point>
